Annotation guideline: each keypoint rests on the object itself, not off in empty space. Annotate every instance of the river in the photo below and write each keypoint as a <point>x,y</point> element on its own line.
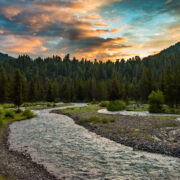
<point>71,151</point>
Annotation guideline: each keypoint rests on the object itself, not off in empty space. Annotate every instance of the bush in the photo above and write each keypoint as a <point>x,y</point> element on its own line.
<point>8,106</point>
<point>1,117</point>
<point>156,100</point>
<point>92,119</point>
<point>95,120</point>
<point>1,123</point>
<point>116,105</point>
<point>28,113</point>
<point>104,103</point>
<point>1,113</point>
<point>9,113</point>
<point>83,120</point>
<point>111,119</point>
<point>104,120</point>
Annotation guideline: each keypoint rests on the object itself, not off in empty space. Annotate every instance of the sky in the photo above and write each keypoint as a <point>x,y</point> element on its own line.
<point>91,29</point>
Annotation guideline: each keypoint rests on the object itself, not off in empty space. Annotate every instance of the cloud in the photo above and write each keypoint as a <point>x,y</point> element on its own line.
<point>79,27</point>
<point>168,1</point>
<point>96,47</point>
<point>22,44</point>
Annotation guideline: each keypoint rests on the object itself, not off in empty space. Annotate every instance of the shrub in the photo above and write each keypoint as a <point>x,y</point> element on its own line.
<point>104,120</point>
<point>9,113</point>
<point>111,119</point>
<point>83,120</point>
<point>156,100</point>
<point>104,103</point>
<point>1,113</point>
<point>116,105</point>
<point>8,106</point>
<point>92,119</point>
<point>1,117</point>
<point>28,113</point>
<point>1,123</point>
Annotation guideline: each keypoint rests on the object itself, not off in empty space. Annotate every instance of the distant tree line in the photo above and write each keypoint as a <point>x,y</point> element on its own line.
<point>57,79</point>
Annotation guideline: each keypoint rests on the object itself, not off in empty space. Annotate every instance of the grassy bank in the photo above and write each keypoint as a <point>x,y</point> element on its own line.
<point>138,106</point>
<point>9,115</point>
<point>43,105</point>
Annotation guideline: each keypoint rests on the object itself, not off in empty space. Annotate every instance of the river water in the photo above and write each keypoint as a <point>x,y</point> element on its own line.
<point>69,150</point>
<point>137,113</point>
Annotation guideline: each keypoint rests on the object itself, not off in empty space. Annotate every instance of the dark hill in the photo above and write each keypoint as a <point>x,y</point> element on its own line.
<point>4,57</point>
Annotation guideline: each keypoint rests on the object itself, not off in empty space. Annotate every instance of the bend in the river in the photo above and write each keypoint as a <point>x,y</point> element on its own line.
<point>67,149</point>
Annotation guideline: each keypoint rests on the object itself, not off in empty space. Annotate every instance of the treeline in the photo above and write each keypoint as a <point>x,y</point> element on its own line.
<point>57,79</point>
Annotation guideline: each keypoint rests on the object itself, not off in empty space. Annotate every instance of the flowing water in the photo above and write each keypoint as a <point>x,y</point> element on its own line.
<point>69,150</point>
<point>137,113</point>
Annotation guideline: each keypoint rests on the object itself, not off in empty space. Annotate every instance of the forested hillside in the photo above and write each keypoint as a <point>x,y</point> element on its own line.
<point>5,57</point>
<point>55,79</point>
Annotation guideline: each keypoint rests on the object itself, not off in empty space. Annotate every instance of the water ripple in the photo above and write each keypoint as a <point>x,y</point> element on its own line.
<point>69,150</point>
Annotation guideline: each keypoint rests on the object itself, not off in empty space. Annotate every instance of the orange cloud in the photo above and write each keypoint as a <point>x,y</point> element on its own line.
<point>2,31</point>
<point>100,25</point>
<point>102,49</point>
<point>24,45</point>
<point>10,11</point>
<point>68,21</point>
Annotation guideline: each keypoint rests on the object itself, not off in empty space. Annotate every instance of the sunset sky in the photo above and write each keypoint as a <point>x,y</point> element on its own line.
<point>101,29</point>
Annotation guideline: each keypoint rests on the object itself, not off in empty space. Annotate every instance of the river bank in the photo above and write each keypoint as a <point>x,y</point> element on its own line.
<point>152,134</point>
<point>15,165</point>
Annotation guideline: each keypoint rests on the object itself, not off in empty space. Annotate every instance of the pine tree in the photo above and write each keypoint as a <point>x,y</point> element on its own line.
<point>146,83</point>
<point>50,95</point>
<point>18,88</point>
<point>4,87</point>
<point>114,89</point>
<point>93,89</point>
<point>101,91</point>
<point>33,91</point>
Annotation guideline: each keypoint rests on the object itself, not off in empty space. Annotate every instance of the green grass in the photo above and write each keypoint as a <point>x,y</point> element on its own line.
<point>44,105</point>
<point>11,115</point>
<point>89,108</point>
<point>27,104</point>
<point>107,119</point>
<point>96,119</point>
<point>134,133</point>
<point>169,110</point>
<point>117,105</point>
<point>104,103</point>
<point>137,107</point>
<point>164,117</point>
<point>3,177</point>
<point>39,105</point>
<point>5,106</point>
<point>92,119</point>
<point>166,123</point>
